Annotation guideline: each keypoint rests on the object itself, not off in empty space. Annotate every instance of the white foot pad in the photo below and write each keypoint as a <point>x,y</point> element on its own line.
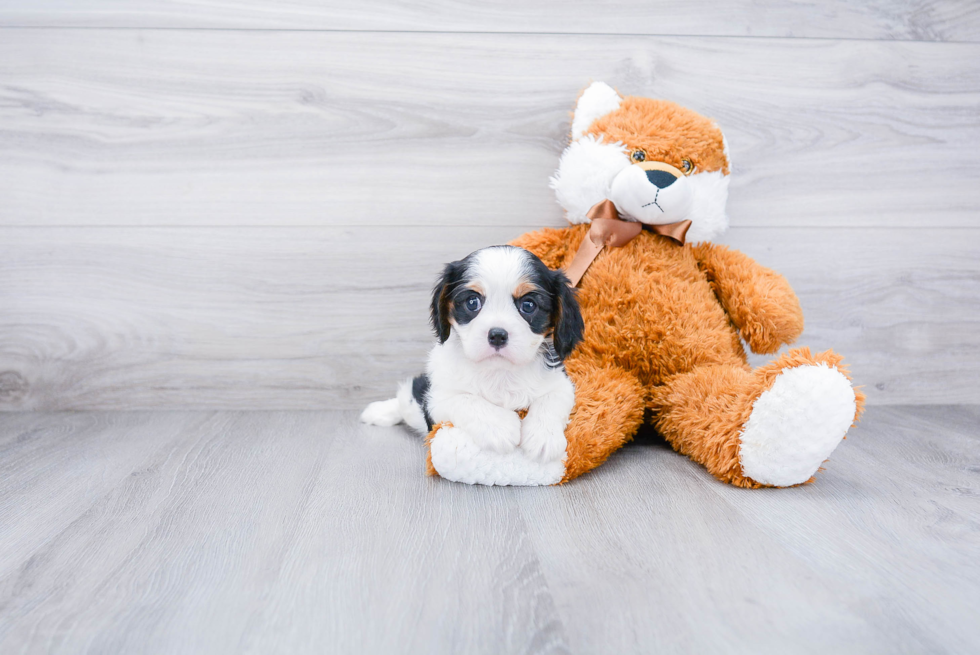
<point>795,425</point>
<point>455,457</point>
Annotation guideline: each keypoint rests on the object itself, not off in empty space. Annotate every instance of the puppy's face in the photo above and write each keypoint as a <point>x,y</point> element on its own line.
<point>505,304</point>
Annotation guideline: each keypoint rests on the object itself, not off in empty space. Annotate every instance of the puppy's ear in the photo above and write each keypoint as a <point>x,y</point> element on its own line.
<point>441,307</point>
<point>565,316</point>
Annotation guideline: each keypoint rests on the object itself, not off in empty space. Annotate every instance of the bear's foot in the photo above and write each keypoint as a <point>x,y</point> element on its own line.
<point>796,424</point>
<point>454,456</point>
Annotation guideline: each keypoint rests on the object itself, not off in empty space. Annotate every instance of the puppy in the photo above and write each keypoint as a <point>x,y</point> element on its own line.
<point>505,324</point>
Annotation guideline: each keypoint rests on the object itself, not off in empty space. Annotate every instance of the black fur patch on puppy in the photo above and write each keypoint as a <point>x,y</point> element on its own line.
<point>567,317</point>
<point>420,390</point>
<point>450,281</point>
<point>462,300</point>
<point>557,308</point>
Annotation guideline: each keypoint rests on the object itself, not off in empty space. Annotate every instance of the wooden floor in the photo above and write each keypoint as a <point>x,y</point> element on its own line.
<point>305,532</point>
<point>195,196</point>
<point>225,205</point>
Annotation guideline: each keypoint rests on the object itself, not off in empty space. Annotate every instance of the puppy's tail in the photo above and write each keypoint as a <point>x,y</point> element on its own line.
<point>404,407</point>
<point>382,412</point>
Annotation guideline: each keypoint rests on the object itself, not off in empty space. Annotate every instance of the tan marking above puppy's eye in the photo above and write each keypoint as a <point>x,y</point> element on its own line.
<point>523,289</point>
<point>687,166</point>
<point>638,155</point>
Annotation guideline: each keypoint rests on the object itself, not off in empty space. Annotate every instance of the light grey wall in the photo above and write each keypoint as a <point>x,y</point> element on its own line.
<point>222,215</point>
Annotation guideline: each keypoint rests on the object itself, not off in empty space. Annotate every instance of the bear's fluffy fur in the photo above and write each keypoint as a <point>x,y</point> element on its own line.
<point>665,323</point>
<point>662,326</point>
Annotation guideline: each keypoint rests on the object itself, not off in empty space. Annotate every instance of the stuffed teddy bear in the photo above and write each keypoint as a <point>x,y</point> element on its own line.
<point>644,185</point>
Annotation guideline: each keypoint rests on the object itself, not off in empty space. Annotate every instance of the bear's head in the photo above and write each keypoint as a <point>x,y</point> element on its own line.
<point>658,162</point>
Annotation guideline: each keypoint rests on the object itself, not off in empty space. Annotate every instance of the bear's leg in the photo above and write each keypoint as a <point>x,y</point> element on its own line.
<point>609,405</point>
<point>773,426</point>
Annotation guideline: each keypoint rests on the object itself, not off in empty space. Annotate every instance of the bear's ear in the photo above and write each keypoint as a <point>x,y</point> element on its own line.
<point>595,102</point>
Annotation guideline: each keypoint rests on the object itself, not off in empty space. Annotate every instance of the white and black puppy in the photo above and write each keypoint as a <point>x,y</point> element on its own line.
<point>505,323</point>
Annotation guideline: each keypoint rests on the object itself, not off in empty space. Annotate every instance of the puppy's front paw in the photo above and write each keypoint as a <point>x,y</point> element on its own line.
<point>501,435</point>
<point>543,441</point>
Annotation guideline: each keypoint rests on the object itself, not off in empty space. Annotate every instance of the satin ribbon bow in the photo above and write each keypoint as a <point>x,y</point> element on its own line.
<point>608,229</point>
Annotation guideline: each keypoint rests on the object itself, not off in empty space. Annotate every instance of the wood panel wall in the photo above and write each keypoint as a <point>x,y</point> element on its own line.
<point>227,205</point>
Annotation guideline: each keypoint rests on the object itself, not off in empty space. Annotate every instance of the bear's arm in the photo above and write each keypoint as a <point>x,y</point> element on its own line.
<point>553,246</point>
<point>759,301</point>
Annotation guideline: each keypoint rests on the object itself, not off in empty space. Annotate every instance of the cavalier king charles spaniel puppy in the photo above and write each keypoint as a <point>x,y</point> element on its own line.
<point>505,323</point>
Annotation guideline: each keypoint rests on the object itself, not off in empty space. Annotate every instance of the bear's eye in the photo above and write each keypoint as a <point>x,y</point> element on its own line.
<point>687,166</point>
<point>638,155</point>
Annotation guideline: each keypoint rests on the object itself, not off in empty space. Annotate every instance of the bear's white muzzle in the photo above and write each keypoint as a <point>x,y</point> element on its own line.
<point>654,193</point>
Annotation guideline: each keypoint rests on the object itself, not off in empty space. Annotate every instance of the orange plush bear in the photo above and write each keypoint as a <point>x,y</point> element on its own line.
<point>644,184</point>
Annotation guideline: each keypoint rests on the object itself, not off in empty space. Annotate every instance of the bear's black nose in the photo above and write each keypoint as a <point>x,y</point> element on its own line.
<point>661,179</point>
<point>497,337</point>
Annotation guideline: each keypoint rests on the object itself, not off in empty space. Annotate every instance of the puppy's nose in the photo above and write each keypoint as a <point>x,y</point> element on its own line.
<point>661,179</point>
<point>497,337</point>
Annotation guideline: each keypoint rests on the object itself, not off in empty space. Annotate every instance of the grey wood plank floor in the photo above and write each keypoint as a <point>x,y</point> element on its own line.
<point>305,532</point>
<point>203,127</point>
<point>182,209</point>
<point>305,318</point>
<point>926,20</point>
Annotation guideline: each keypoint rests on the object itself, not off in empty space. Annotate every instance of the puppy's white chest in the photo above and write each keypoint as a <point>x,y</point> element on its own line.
<point>508,389</point>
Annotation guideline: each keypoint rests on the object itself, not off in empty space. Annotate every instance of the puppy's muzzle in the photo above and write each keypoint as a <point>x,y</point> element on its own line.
<point>497,337</point>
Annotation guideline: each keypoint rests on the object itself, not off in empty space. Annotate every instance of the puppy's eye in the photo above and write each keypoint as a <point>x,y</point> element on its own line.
<point>473,303</point>
<point>638,155</point>
<point>687,166</point>
<point>528,306</point>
